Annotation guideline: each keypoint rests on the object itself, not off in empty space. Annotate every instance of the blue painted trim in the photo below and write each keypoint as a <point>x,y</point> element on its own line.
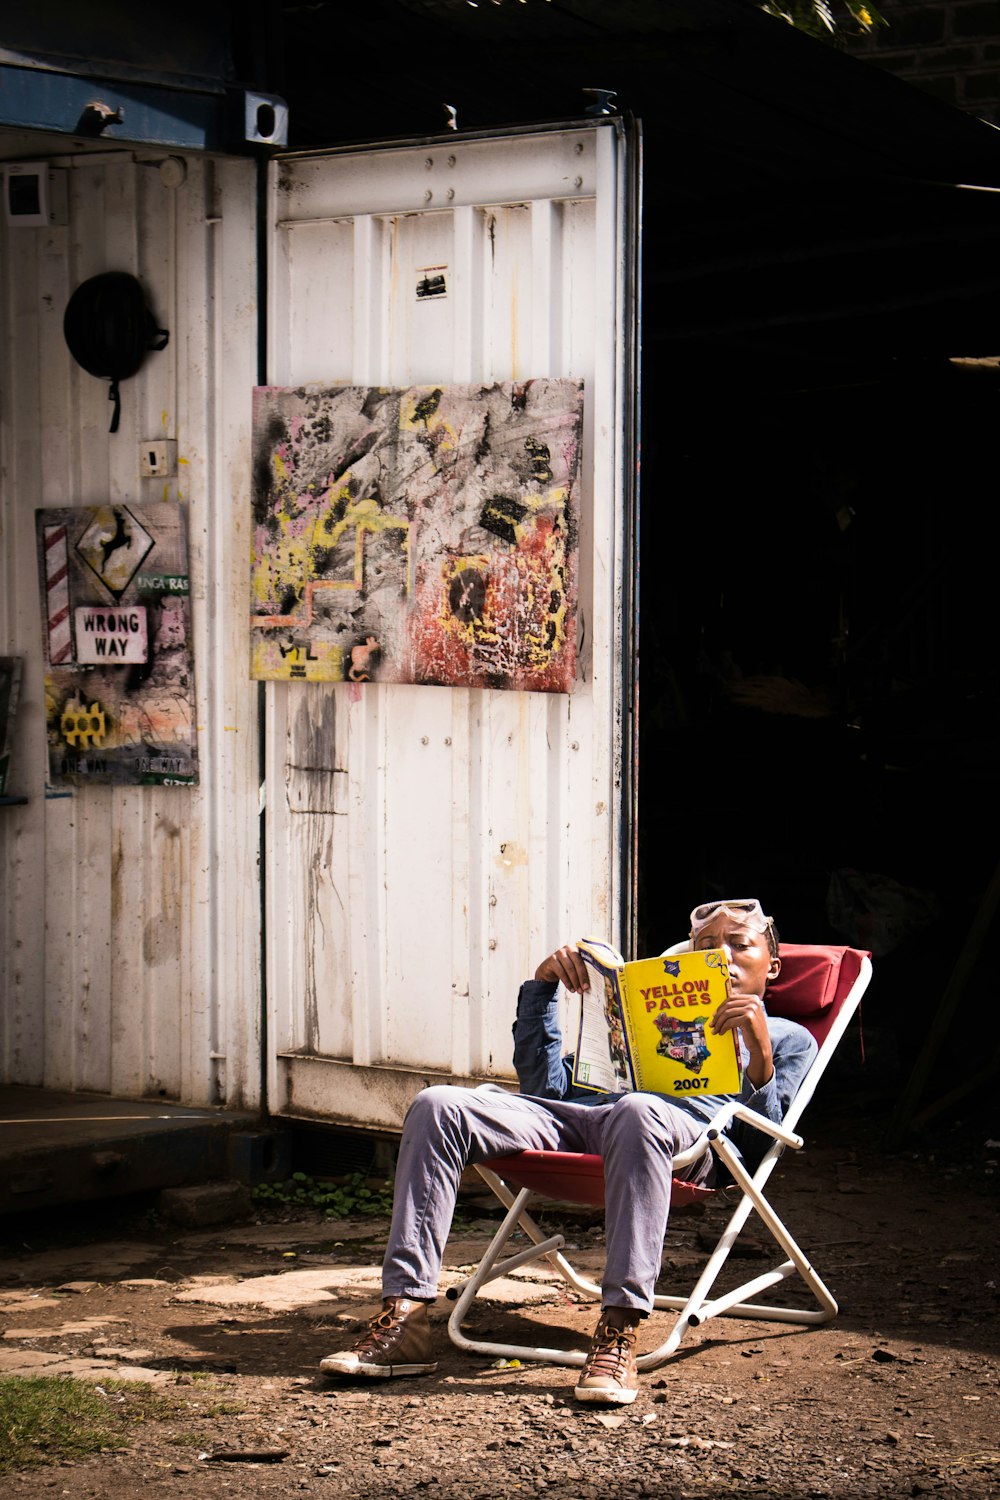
<point>143,114</point>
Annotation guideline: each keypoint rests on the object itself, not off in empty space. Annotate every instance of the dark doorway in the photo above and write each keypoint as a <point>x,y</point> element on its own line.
<point>819,663</point>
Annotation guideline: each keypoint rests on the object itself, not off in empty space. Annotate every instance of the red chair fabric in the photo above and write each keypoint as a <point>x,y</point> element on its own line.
<point>815,979</point>
<point>574,1176</point>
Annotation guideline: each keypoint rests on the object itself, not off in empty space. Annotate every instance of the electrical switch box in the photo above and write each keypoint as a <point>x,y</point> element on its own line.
<point>158,458</point>
<point>35,195</point>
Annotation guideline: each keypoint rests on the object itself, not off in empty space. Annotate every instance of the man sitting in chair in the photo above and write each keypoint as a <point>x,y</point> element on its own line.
<point>637,1134</point>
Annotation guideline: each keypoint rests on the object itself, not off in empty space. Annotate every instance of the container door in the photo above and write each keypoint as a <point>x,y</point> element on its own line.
<point>426,846</point>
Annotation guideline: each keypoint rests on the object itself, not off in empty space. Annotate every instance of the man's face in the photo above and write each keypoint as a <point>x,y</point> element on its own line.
<point>749,955</point>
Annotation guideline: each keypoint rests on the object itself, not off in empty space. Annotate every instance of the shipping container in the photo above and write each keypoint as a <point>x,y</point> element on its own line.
<point>342,908</point>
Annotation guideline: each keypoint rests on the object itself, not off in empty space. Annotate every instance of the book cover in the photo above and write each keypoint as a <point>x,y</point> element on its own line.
<point>645,1024</point>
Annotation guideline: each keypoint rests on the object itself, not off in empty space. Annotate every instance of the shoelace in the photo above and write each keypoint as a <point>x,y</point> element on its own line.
<point>613,1350</point>
<point>380,1327</point>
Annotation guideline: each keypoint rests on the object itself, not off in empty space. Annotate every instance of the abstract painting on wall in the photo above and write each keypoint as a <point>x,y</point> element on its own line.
<point>419,535</point>
<point>116,616</point>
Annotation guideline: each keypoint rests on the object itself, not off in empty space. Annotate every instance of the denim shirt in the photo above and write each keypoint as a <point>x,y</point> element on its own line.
<point>545,1073</point>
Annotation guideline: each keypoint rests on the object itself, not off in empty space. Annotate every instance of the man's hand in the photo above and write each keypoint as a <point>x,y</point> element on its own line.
<point>747,1013</point>
<point>565,967</point>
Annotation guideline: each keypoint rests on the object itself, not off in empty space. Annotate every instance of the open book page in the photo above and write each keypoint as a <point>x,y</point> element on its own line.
<point>647,1024</point>
<point>602,1060</point>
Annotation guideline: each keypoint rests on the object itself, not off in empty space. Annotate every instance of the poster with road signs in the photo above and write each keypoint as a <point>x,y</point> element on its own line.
<point>119,674</point>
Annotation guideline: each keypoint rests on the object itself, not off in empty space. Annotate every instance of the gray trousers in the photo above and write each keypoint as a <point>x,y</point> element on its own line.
<point>447,1128</point>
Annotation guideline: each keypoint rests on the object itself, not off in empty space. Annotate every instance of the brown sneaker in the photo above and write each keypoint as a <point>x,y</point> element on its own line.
<point>610,1377</point>
<point>398,1342</point>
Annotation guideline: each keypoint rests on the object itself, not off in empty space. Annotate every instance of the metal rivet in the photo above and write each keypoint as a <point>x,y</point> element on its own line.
<point>493,901</point>
<point>451,194</point>
<point>424,740</point>
<point>575,745</point>
<point>579,148</point>
<point>429,162</point>
<point>578,182</point>
<point>428,196</point>
<point>493,943</point>
<point>452,160</point>
<point>447,739</point>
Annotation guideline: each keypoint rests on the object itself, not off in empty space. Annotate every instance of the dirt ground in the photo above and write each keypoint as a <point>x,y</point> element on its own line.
<point>897,1397</point>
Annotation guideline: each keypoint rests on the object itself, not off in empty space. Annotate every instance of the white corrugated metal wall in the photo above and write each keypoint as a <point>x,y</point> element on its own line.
<point>426,847</point>
<point>129,917</point>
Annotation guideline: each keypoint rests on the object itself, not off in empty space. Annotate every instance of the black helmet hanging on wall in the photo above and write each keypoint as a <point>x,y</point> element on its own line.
<point>110,330</point>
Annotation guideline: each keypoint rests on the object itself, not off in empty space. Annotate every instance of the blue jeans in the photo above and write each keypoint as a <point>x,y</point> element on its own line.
<point>447,1128</point>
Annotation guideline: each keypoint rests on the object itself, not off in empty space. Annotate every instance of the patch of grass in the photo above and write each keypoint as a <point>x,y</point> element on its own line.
<point>45,1419</point>
<point>336,1199</point>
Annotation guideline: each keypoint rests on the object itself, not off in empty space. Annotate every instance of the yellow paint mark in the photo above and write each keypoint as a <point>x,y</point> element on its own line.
<point>82,727</point>
<point>289,563</point>
<point>447,436</point>
<point>183,460</point>
<point>284,661</point>
<point>258,586</point>
<point>231,728</point>
<point>478,628</point>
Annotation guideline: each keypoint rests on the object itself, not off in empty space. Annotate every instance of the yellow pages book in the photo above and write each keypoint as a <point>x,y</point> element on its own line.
<point>644,1025</point>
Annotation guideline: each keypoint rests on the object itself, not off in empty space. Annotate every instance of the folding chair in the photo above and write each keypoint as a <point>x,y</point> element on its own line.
<point>820,987</point>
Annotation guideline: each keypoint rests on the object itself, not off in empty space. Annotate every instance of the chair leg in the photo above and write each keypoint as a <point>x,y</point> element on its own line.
<point>542,1247</point>
<point>697,1308</point>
